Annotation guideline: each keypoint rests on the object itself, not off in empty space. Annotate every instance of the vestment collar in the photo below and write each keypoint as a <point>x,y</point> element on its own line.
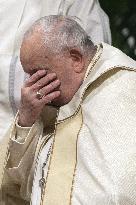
<point>106,59</point>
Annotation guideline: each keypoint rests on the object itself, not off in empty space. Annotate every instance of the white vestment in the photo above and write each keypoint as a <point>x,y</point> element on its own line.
<point>15,18</point>
<point>105,160</point>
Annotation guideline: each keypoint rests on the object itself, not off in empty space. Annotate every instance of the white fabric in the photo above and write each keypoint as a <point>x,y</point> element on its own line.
<point>111,57</point>
<point>15,18</point>
<point>106,170</point>
<point>106,148</point>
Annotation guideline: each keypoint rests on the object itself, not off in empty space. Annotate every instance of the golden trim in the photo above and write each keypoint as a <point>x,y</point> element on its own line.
<point>72,188</point>
<point>55,163</point>
<point>117,67</point>
<point>37,158</point>
<point>91,65</point>
<point>43,191</point>
<point>94,60</point>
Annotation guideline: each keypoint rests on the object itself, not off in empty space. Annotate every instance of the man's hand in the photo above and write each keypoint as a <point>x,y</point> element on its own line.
<point>30,106</point>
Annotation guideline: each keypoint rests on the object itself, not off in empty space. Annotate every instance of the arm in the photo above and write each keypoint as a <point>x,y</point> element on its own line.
<point>18,175</point>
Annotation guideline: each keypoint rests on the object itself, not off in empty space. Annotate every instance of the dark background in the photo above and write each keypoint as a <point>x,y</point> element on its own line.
<point>122,15</point>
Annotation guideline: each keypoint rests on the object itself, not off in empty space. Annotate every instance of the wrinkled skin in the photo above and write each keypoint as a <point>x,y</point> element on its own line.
<point>30,106</point>
<point>56,76</point>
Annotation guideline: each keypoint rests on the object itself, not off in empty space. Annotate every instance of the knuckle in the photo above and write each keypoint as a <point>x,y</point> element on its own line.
<point>52,85</point>
<point>51,76</point>
<point>48,77</point>
<point>47,89</point>
<point>46,99</point>
<point>38,73</point>
<point>39,83</point>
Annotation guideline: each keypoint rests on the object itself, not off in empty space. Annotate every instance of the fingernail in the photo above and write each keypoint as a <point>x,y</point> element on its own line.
<point>58,92</point>
<point>54,74</point>
<point>57,81</point>
<point>43,71</point>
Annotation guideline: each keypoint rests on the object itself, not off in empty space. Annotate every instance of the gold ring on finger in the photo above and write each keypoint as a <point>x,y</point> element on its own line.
<point>39,95</point>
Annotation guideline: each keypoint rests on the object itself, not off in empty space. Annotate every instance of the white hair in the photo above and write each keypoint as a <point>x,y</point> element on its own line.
<point>61,33</point>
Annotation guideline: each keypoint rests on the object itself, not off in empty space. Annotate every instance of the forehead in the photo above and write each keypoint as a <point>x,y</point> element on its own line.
<point>33,53</point>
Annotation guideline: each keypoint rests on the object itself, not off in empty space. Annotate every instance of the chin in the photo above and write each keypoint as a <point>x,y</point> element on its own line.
<point>58,102</point>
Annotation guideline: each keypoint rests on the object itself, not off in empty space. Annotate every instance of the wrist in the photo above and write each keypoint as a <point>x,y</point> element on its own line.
<point>23,122</point>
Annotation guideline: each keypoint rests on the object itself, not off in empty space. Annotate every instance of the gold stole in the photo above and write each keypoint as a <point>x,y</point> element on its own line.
<point>60,177</point>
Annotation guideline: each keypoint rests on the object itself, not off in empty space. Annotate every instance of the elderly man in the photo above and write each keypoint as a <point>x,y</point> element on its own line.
<point>15,18</point>
<point>73,140</point>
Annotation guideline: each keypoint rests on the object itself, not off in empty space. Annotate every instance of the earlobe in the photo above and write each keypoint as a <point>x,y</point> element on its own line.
<point>77,60</point>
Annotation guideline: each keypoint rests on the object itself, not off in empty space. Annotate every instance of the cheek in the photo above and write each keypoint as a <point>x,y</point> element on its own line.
<point>64,72</point>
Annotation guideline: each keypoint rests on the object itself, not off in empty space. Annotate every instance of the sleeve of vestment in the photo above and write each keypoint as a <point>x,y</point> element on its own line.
<point>21,140</point>
<point>19,172</point>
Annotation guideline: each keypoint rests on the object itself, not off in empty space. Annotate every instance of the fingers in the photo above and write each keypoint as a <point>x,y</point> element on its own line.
<point>50,87</point>
<point>50,97</point>
<point>31,106</point>
<point>44,81</point>
<point>35,77</point>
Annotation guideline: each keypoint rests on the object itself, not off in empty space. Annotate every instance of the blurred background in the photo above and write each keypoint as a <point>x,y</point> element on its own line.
<point>122,15</point>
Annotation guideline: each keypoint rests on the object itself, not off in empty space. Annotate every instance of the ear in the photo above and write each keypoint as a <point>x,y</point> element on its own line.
<point>77,60</point>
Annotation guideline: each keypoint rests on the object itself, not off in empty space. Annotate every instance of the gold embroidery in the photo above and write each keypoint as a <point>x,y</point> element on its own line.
<point>91,65</point>
<point>85,90</point>
<point>75,163</point>
<point>44,187</point>
<point>61,168</point>
<point>77,110</point>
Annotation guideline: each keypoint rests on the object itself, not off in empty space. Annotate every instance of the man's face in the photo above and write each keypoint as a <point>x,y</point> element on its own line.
<point>35,57</point>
